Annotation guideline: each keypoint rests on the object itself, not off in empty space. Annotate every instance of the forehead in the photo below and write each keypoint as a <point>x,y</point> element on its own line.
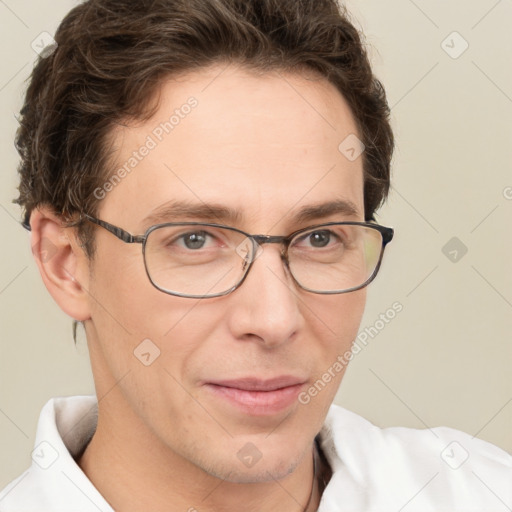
<point>261,145</point>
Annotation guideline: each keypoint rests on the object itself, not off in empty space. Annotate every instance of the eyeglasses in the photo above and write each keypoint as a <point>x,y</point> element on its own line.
<point>201,260</point>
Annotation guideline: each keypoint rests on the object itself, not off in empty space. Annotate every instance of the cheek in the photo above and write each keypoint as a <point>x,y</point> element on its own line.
<point>128,311</point>
<point>145,340</point>
<point>124,300</point>
<point>333,324</point>
<point>336,318</point>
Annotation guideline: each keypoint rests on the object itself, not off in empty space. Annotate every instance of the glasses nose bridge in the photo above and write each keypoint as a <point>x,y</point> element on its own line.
<point>267,239</point>
<point>259,240</point>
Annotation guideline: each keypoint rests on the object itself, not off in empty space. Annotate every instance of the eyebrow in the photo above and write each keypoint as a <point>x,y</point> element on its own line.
<point>319,211</point>
<point>182,210</point>
<point>211,212</point>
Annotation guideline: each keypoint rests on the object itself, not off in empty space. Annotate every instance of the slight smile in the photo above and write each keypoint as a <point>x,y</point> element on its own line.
<point>258,397</point>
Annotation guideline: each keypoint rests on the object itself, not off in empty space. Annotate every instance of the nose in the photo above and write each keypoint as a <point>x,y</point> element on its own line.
<point>266,305</point>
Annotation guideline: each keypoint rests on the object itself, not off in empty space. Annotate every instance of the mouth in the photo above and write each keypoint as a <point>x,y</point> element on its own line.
<point>257,397</point>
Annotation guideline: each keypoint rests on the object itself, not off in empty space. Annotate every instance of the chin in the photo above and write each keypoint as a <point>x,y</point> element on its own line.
<point>262,474</point>
<point>268,468</point>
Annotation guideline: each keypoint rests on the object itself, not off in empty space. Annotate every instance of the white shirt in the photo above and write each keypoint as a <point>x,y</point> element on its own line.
<point>392,469</point>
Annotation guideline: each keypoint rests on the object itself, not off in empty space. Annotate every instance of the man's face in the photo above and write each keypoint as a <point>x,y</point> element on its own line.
<point>266,148</point>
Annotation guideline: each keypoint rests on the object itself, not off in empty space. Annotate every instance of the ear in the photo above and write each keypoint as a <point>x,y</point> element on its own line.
<point>62,262</point>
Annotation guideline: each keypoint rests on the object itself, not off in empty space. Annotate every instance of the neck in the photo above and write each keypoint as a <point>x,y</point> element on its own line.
<point>124,455</point>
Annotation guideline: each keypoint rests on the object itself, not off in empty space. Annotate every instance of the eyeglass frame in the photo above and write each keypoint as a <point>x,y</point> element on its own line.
<point>387,234</point>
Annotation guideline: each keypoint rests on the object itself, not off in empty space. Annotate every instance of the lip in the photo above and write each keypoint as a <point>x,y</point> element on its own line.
<point>258,397</point>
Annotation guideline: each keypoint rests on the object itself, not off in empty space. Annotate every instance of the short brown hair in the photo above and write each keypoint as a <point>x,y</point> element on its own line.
<point>113,54</point>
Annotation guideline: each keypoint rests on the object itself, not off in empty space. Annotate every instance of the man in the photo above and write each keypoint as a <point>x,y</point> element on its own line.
<point>190,205</point>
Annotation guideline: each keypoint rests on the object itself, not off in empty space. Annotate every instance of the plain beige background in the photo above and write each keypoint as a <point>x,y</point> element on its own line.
<point>445,359</point>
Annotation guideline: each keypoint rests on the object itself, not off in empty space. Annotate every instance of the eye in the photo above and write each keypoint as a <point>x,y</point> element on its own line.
<point>195,240</point>
<point>190,240</point>
<point>317,239</point>
<point>320,238</point>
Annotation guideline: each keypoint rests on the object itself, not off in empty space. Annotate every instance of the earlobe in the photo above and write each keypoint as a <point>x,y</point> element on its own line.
<point>62,263</point>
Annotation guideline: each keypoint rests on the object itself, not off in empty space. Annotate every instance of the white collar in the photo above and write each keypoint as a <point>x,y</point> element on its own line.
<point>373,469</point>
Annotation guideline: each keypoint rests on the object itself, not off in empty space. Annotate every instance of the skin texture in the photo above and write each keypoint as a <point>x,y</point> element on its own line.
<point>264,146</point>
